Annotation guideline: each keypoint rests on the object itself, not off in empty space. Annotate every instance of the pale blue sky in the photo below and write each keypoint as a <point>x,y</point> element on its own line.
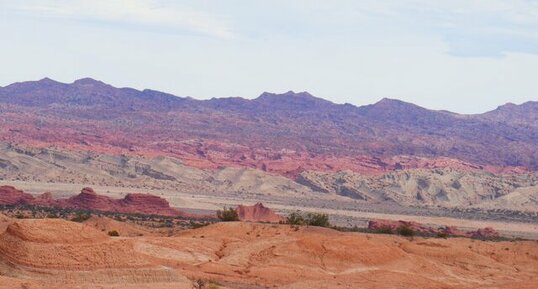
<point>463,56</point>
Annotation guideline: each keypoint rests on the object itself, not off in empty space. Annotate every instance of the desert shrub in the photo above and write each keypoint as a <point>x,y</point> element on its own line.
<point>168,223</point>
<point>80,217</point>
<point>442,235</point>
<point>317,219</point>
<point>406,231</point>
<point>113,233</point>
<point>295,218</point>
<point>196,225</point>
<point>384,230</point>
<point>227,215</point>
<point>118,218</point>
<point>311,219</point>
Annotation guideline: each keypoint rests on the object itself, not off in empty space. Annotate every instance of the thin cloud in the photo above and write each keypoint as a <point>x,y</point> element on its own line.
<point>490,28</point>
<point>479,28</point>
<point>131,12</point>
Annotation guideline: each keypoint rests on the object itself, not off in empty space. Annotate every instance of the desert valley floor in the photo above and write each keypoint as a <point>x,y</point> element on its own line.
<point>342,211</point>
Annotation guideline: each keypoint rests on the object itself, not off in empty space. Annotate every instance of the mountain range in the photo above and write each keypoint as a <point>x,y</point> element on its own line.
<point>290,146</point>
<point>282,133</point>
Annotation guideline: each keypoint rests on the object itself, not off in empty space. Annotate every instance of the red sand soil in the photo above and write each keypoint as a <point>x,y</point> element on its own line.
<point>63,254</point>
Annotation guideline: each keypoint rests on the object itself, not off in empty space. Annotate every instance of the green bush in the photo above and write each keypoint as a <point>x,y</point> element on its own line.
<point>196,225</point>
<point>295,218</point>
<point>311,219</point>
<point>317,219</point>
<point>227,215</point>
<point>406,231</point>
<point>113,233</point>
<point>442,235</point>
<point>384,230</point>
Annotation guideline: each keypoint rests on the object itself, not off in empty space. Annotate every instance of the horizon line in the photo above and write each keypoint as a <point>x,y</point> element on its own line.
<point>46,78</point>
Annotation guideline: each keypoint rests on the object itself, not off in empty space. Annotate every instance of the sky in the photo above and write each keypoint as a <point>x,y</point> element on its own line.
<point>460,55</point>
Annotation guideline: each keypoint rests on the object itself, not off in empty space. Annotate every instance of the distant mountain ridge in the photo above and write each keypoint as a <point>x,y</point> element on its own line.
<point>525,114</point>
<point>84,92</point>
<point>89,114</point>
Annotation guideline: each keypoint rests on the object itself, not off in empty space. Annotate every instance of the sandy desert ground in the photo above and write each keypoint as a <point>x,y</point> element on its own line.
<point>54,253</point>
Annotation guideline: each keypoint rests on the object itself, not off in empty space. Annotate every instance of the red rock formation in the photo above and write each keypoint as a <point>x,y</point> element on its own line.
<point>11,196</point>
<point>257,213</point>
<point>44,199</point>
<point>453,231</point>
<point>487,232</point>
<point>89,200</point>
<point>395,225</point>
<point>131,203</point>
<point>147,204</point>
<point>417,227</point>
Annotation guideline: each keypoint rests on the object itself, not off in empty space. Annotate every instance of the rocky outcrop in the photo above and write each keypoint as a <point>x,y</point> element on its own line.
<point>394,226</point>
<point>11,196</point>
<point>88,199</point>
<point>44,199</point>
<point>450,231</point>
<point>453,231</point>
<point>487,232</point>
<point>132,203</point>
<point>147,204</point>
<point>258,213</point>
